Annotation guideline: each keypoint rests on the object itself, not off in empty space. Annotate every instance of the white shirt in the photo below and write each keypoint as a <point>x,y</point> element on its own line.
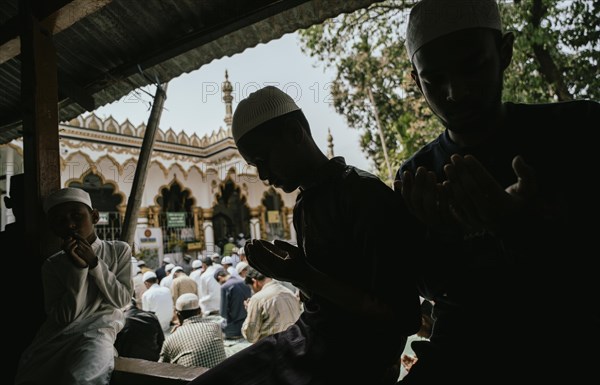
<point>158,300</point>
<point>195,275</point>
<point>167,281</point>
<point>83,308</point>
<point>209,290</point>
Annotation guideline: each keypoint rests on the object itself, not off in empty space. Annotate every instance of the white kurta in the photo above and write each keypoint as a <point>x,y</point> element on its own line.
<point>209,290</point>
<point>83,307</point>
<point>158,300</point>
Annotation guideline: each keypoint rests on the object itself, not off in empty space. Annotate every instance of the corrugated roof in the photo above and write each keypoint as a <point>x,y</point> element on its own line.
<point>102,52</point>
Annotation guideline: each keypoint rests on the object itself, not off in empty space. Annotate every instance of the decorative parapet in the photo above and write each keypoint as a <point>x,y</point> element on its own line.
<point>111,126</point>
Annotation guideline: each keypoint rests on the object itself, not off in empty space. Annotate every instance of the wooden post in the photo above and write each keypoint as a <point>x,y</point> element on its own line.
<point>39,94</point>
<point>139,180</point>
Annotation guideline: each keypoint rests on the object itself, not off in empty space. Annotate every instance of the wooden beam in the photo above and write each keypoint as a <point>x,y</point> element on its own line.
<point>75,92</point>
<point>55,15</point>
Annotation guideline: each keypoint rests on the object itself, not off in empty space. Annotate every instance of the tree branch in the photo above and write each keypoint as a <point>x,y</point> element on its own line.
<point>547,65</point>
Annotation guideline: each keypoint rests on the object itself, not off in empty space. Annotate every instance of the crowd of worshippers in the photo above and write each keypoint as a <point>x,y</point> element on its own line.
<point>201,316</point>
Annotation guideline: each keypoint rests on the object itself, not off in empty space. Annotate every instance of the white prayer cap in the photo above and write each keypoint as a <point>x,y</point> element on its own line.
<point>167,260</point>
<point>241,266</point>
<point>141,263</point>
<point>67,194</point>
<point>196,264</point>
<point>187,301</point>
<point>148,275</point>
<point>169,267</point>
<point>430,19</point>
<point>176,269</point>
<point>261,106</point>
<point>227,261</point>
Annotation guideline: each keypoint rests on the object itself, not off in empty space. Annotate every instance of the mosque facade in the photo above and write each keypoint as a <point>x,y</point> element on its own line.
<point>199,191</point>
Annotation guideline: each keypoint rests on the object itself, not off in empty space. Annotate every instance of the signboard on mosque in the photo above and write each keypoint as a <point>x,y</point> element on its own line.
<point>273,216</point>
<point>149,238</point>
<point>176,219</point>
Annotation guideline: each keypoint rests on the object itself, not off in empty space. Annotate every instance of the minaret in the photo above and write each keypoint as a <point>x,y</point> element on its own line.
<point>227,98</point>
<point>329,144</point>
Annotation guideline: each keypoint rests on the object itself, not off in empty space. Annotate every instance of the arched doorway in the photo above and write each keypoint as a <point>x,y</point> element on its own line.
<point>273,218</point>
<point>106,201</point>
<point>176,217</point>
<point>231,215</point>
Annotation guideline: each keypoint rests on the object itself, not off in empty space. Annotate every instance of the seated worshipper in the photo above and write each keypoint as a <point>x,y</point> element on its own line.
<point>182,283</point>
<point>142,337</point>
<point>197,342</point>
<point>157,299</point>
<point>209,289</point>
<point>273,307</point>
<point>340,210</point>
<point>234,293</point>
<point>85,287</point>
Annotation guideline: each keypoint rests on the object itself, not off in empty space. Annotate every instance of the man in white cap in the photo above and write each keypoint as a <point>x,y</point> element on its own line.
<point>197,341</point>
<point>501,206</point>
<point>336,213</point>
<point>160,272</point>
<point>168,280</point>
<point>158,300</point>
<point>196,271</point>
<point>85,287</point>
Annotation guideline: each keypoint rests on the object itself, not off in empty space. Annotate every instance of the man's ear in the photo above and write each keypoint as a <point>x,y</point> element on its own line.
<point>294,132</point>
<point>95,216</point>
<point>415,77</point>
<point>506,49</point>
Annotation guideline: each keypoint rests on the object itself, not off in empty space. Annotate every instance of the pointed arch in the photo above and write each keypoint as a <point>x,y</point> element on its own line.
<point>127,128</point>
<point>169,187</point>
<point>103,181</point>
<point>194,167</point>
<point>183,138</point>
<point>161,166</point>
<point>112,160</point>
<point>195,141</point>
<point>178,166</point>
<point>111,125</point>
<point>140,130</point>
<point>92,122</point>
<point>170,135</point>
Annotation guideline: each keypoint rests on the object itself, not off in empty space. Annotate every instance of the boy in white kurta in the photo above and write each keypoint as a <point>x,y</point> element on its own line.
<point>85,287</point>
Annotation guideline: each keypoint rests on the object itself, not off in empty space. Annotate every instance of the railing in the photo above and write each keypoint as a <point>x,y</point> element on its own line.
<point>178,229</point>
<point>109,226</point>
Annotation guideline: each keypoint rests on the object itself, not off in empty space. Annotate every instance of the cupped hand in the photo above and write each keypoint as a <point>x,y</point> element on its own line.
<point>478,201</point>
<point>425,199</point>
<point>280,260</point>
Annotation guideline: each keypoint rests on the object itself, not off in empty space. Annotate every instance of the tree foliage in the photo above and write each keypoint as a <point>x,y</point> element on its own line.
<point>556,58</point>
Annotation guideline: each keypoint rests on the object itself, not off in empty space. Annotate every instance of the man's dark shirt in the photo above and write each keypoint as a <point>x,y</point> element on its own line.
<point>233,294</point>
<point>502,299</point>
<point>141,337</point>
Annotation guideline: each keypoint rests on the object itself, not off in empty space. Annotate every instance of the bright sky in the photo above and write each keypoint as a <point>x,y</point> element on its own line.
<point>194,101</point>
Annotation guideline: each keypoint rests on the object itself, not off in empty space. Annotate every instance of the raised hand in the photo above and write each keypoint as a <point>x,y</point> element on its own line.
<point>425,199</point>
<point>478,201</point>
<point>281,260</point>
<point>81,252</point>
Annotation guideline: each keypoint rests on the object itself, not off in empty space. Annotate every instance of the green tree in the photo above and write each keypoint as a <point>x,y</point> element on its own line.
<point>556,58</point>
